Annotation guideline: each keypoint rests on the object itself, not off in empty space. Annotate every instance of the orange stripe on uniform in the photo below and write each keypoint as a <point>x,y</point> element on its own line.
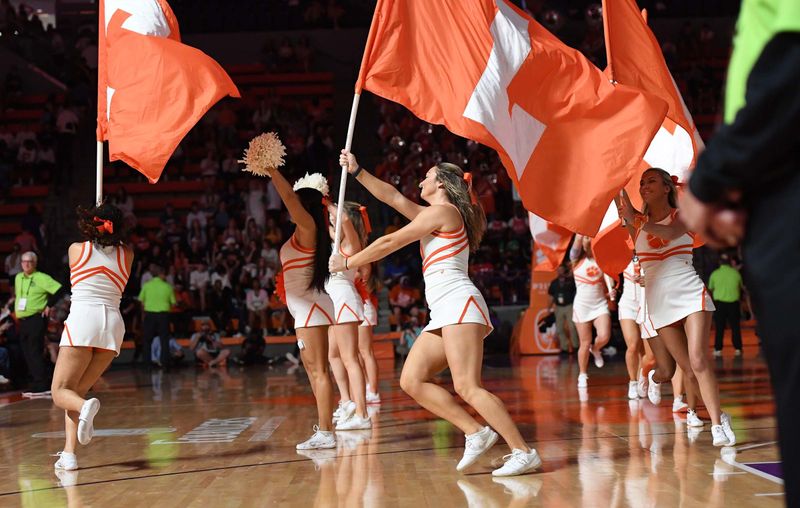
<point>466,306</point>
<point>69,337</point>
<point>296,244</point>
<point>449,234</point>
<point>430,261</point>
<point>345,306</point>
<point>311,312</point>
<point>80,256</point>
<point>83,263</point>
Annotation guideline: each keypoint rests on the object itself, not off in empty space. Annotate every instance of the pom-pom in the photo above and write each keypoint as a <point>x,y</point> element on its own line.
<point>313,181</point>
<point>264,153</point>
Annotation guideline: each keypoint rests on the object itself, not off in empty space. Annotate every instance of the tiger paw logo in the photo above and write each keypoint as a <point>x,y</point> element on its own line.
<point>656,242</point>
<point>592,272</point>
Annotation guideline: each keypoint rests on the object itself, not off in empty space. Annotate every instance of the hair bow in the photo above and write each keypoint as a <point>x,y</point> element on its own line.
<point>675,181</point>
<point>365,218</point>
<point>468,179</point>
<point>105,226</point>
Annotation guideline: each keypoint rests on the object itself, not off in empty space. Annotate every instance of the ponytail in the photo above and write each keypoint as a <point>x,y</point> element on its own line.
<point>458,187</point>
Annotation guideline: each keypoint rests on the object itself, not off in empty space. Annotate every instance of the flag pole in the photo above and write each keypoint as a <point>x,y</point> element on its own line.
<point>343,180</point>
<point>99,185</point>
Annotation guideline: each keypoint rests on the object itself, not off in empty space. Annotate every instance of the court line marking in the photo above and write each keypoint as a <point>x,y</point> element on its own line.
<point>752,446</point>
<point>265,431</point>
<point>756,472</point>
<point>770,494</point>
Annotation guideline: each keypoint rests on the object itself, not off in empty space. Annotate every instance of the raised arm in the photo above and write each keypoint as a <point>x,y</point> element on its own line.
<point>668,232</point>
<point>428,220</point>
<point>298,213</point>
<point>380,189</point>
<point>626,212</point>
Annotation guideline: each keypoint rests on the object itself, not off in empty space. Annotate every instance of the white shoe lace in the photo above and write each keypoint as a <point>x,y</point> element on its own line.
<point>473,442</point>
<point>515,458</point>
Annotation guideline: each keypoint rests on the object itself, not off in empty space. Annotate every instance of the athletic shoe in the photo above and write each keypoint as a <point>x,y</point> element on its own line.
<point>598,358</point>
<point>692,420</point>
<point>693,433</point>
<point>475,445</point>
<point>320,440</point>
<point>653,389</point>
<point>66,461</point>
<point>518,462</point>
<point>86,420</point>
<point>319,457</point>
<point>373,398</point>
<point>633,392</point>
<point>4,380</point>
<point>583,380</point>
<point>718,433</point>
<point>42,394</point>
<point>678,404</point>
<point>66,478</point>
<point>345,410</point>
<point>641,385</point>
<point>737,352</point>
<point>355,422</point>
<point>520,488</point>
<point>725,420</point>
<point>292,358</point>
<point>717,353</point>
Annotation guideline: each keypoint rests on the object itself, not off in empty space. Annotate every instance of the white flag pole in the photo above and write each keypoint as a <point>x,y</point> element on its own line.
<point>343,180</point>
<point>99,187</point>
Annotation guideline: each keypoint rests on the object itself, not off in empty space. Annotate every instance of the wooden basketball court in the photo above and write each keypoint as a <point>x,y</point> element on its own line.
<point>226,438</point>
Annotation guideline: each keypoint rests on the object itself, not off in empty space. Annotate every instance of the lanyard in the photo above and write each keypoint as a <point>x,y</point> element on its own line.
<point>31,283</point>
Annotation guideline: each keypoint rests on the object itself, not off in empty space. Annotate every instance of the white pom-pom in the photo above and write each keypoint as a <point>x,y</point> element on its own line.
<point>313,181</point>
<point>264,153</point>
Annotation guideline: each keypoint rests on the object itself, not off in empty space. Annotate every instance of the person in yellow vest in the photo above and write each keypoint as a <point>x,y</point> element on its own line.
<point>33,290</point>
<point>157,297</point>
<point>726,288</point>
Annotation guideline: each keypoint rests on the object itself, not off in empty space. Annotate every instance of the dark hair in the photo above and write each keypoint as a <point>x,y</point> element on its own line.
<point>88,226</point>
<point>311,200</point>
<point>460,194</point>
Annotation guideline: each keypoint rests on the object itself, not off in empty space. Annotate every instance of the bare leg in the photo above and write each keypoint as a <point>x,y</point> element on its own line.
<point>665,362</point>
<point>463,345</point>
<point>426,359</point>
<point>368,356</point>
<point>676,342</point>
<point>585,337</point>
<point>347,340</point>
<point>698,327</point>
<point>337,366</point>
<point>315,361</point>
<point>603,327</point>
<point>633,339</point>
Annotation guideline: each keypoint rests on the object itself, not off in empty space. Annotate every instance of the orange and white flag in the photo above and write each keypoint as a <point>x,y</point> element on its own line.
<point>635,59</point>
<point>151,88</point>
<point>550,243</point>
<point>568,138</point>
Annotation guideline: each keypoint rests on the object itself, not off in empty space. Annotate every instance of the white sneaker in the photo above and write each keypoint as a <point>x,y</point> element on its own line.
<point>725,420</point>
<point>678,404</point>
<point>583,380</point>
<point>346,409</point>
<point>598,358</point>
<point>653,389</point>
<point>518,462</point>
<point>737,352</point>
<point>4,380</point>
<point>86,420</point>
<point>633,392</point>
<point>520,488</point>
<point>717,353</point>
<point>66,461</point>
<point>475,445</point>
<point>641,385</point>
<point>373,398</point>
<point>293,359</point>
<point>718,433</point>
<point>355,422</point>
<point>320,440</point>
<point>692,420</point>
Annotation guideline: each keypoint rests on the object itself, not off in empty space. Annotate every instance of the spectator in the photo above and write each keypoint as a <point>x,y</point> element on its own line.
<point>5,354</point>
<point>13,262</point>
<point>562,293</point>
<point>726,288</point>
<point>157,298</point>
<point>208,348</point>
<point>257,302</point>
<point>176,353</point>
<point>198,283</point>
<point>252,352</point>
<point>182,309</point>
<point>27,242</point>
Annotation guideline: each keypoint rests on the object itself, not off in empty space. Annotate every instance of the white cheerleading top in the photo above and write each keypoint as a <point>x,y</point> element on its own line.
<point>100,275</point>
<point>660,257</point>
<point>444,251</point>
<point>589,280</point>
<point>348,275</point>
<point>298,266</point>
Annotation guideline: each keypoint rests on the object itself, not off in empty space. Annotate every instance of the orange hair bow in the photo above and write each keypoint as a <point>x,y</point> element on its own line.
<point>106,225</point>
<point>468,179</point>
<point>365,218</point>
<point>675,181</point>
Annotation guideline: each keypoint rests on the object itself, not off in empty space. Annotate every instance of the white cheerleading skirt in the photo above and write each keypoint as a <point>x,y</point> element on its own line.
<point>588,306</point>
<point>309,308</point>
<point>370,314</point>
<point>94,325</point>
<point>628,306</point>
<point>453,300</point>
<point>347,303</point>
<point>671,298</point>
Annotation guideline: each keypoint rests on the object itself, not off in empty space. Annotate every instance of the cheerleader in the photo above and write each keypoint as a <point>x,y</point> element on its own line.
<point>348,308</point>
<point>628,308</point>
<point>302,283</point>
<point>590,307</point>
<point>93,332</point>
<point>447,229</point>
<point>678,304</point>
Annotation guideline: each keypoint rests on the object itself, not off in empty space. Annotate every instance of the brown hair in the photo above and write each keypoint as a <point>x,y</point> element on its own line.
<point>459,192</point>
<point>91,220</point>
<point>667,180</point>
<point>353,211</point>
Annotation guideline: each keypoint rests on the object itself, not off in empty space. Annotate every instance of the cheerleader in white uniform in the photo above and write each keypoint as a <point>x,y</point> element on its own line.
<point>366,283</point>
<point>629,320</point>
<point>447,230</point>
<point>348,307</point>
<point>590,307</point>
<point>93,331</point>
<point>678,304</point>
<point>302,285</point>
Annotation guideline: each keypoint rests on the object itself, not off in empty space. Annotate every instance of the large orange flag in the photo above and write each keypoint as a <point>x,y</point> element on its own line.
<point>635,59</point>
<point>568,138</point>
<point>550,243</point>
<point>151,89</point>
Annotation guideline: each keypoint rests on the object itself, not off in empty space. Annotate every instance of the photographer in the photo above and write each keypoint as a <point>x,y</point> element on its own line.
<point>208,348</point>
